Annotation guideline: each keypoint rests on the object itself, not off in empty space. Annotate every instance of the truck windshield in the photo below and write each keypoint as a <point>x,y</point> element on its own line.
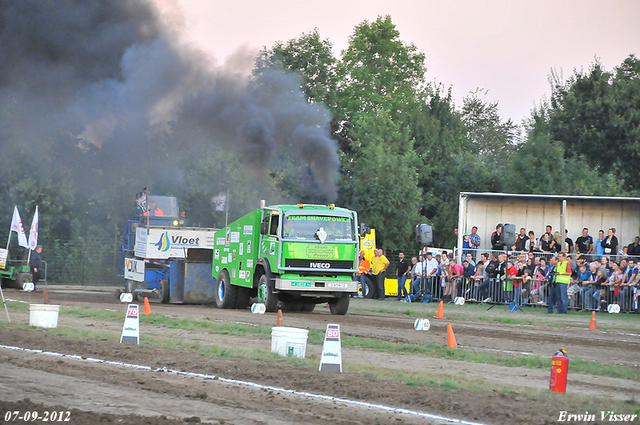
<point>305,227</point>
<point>163,206</point>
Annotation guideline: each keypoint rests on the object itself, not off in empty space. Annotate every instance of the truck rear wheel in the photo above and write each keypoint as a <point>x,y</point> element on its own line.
<point>129,287</point>
<point>244,294</point>
<point>266,295</point>
<point>163,289</point>
<point>339,305</point>
<point>292,305</point>
<point>23,278</point>
<point>226,293</point>
<point>308,306</point>
<point>370,290</point>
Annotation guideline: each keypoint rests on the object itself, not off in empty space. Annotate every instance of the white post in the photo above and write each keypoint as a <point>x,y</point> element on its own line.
<point>226,211</point>
<point>563,223</point>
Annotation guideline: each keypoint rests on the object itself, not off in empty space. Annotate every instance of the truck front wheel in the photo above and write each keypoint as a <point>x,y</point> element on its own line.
<point>339,305</point>
<point>226,293</point>
<point>266,295</point>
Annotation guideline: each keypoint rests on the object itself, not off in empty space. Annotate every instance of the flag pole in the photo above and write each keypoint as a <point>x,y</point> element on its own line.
<point>226,211</point>
<point>5,304</point>
<point>9,239</point>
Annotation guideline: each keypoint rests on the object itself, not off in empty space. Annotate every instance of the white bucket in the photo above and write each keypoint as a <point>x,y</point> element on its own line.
<point>43,315</point>
<point>289,342</point>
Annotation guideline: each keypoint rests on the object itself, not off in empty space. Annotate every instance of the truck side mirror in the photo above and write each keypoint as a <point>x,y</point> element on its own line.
<point>264,226</point>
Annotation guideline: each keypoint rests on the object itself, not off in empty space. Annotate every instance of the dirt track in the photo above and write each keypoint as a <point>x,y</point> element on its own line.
<point>98,390</point>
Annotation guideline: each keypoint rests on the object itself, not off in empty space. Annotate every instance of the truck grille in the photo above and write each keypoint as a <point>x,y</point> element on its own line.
<point>319,264</point>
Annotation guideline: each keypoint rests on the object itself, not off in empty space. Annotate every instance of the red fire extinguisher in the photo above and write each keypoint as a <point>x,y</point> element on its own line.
<point>559,369</point>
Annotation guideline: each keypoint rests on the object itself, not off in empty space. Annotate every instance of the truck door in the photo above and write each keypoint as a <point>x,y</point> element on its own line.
<point>270,229</point>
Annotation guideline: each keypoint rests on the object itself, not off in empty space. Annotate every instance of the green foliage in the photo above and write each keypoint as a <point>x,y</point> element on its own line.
<point>380,179</point>
<point>378,70</point>
<point>596,116</point>
<point>308,55</point>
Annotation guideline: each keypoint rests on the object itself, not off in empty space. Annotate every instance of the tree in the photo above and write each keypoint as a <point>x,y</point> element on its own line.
<point>378,70</point>
<point>311,57</point>
<point>380,179</point>
<point>596,117</point>
<point>486,131</point>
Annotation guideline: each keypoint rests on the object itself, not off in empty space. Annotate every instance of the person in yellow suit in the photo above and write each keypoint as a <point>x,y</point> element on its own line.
<point>379,265</point>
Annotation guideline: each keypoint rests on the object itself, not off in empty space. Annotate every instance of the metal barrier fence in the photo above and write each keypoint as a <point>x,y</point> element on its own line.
<point>76,262</point>
<point>533,292</point>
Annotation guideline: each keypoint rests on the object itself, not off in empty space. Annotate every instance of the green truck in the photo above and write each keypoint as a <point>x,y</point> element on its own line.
<point>288,256</point>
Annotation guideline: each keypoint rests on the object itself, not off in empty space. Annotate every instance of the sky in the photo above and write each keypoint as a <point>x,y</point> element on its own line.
<point>506,47</point>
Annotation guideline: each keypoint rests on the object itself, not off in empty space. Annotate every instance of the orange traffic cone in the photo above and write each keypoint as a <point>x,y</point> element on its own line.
<point>147,307</point>
<point>592,325</point>
<point>279,322</point>
<point>440,314</point>
<point>45,296</point>
<point>451,339</point>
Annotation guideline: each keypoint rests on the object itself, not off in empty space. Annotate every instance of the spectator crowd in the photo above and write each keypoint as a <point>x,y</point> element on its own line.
<point>586,274</point>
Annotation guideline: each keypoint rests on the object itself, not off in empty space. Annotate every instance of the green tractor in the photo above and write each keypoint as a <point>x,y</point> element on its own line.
<point>13,274</point>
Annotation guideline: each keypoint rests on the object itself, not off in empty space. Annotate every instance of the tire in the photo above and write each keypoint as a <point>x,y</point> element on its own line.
<point>22,278</point>
<point>226,293</point>
<point>266,295</point>
<point>129,287</point>
<point>371,288</point>
<point>340,305</point>
<point>163,290</point>
<point>242,301</point>
<point>308,306</point>
<point>294,305</point>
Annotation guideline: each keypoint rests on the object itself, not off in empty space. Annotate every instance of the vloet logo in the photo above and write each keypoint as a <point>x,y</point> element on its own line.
<point>320,265</point>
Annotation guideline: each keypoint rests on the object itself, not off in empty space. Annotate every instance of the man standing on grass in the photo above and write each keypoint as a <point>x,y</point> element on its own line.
<point>35,263</point>
<point>379,265</point>
<point>401,273</point>
<point>563,279</point>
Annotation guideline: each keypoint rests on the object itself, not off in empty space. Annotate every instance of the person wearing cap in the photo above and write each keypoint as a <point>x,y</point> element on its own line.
<point>467,246</point>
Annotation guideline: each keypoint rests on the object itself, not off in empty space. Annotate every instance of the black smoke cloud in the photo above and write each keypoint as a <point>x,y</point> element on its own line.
<point>106,90</point>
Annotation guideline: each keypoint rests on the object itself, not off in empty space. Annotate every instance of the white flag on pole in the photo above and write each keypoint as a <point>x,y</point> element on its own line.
<point>219,202</point>
<point>16,226</point>
<point>33,232</point>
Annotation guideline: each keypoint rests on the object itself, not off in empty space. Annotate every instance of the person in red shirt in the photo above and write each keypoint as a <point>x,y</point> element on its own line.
<point>456,277</point>
<point>510,280</point>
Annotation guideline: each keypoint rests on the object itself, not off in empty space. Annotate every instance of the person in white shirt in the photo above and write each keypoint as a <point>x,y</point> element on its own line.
<point>430,268</point>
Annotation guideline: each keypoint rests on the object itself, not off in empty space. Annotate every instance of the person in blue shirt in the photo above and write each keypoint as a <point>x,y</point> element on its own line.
<point>630,281</point>
<point>599,247</point>
<point>582,282</point>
